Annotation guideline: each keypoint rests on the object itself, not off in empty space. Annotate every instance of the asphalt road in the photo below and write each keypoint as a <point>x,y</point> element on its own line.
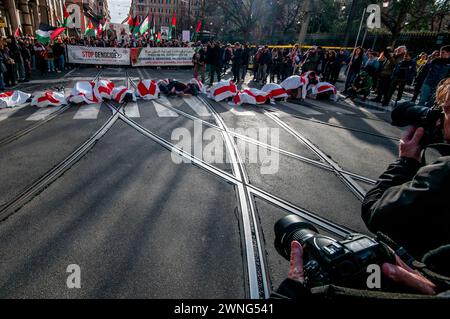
<point>144,222</point>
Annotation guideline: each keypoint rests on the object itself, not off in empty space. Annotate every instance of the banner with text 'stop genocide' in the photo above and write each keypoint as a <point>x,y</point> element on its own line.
<point>161,56</point>
<point>98,55</point>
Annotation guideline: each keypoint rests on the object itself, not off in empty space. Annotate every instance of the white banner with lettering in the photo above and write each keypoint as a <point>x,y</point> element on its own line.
<point>98,55</point>
<point>161,56</point>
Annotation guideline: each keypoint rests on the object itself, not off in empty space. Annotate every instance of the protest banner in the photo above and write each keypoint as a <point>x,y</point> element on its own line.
<point>98,55</point>
<point>161,56</point>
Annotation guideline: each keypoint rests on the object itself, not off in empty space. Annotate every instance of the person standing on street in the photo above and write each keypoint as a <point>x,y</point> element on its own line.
<point>438,69</point>
<point>403,74</point>
<point>245,61</point>
<point>354,67</point>
<point>199,64</point>
<point>58,51</point>
<point>40,53</point>
<point>236,60</point>
<point>310,60</point>
<point>3,68</point>
<point>214,58</point>
<point>265,62</point>
<point>422,71</point>
<point>275,70</point>
<point>16,55</point>
<point>26,58</point>
<point>388,62</point>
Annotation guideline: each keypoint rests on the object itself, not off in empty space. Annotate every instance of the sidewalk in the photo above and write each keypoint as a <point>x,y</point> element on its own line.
<point>37,78</point>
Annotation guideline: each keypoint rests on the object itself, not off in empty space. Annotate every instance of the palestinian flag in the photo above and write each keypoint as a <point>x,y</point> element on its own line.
<point>99,30</point>
<point>17,33</point>
<point>172,25</point>
<point>144,25</point>
<point>45,37</point>
<point>158,37</point>
<point>130,23</point>
<point>153,28</point>
<point>90,29</point>
<point>66,16</point>
<point>197,30</point>
<point>136,26</point>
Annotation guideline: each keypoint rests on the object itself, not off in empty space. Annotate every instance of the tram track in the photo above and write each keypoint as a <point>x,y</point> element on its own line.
<point>11,138</point>
<point>320,164</point>
<point>39,185</point>
<point>257,276</point>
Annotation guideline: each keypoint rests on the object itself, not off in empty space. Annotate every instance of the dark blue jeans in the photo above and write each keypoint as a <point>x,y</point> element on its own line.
<point>350,78</point>
<point>2,84</point>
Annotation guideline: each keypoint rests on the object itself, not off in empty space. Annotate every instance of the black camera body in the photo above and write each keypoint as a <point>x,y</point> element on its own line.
<point>430,118</point>
<point>327,260</point>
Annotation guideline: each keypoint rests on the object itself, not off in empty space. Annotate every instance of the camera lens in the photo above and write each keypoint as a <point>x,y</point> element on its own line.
<point>408,113</point>
<point>290,228</point>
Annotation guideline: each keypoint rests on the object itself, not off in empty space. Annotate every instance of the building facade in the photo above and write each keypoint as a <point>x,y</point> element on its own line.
<point>187,11</point>
<point>28,14</point>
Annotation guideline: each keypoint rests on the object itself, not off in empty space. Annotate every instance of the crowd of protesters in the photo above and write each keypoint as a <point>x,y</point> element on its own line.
<point>367,71</point>
<point>19,57</point>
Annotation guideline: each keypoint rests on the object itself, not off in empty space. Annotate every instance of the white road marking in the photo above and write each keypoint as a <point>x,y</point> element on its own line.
<point>132,110</point>
<point>237,109</point>
<point>7,112</point>
<point>87,112</point>
<point>301,108</point>
<point>43,113</point>
<point>162,110</point>
<point>197,106</point>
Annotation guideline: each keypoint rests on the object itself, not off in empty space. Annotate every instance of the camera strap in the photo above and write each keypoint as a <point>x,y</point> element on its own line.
<point>398,250</point>
<point>441,281</point>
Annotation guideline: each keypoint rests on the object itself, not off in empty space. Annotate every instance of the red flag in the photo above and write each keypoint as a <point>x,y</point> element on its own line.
<point>137,23</point>
<point>56,32</point>
<point>174,20</point>
<point>17,32</point>
<point>99,30</point>
<point>130,22</point>
<point>65,13</point>
<point>199,26</point>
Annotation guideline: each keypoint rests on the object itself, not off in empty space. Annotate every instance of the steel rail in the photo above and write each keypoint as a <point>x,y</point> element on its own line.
<point>53,174</point>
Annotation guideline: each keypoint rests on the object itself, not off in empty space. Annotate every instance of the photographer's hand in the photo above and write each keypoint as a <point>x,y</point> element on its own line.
<point>410,143</point>
<point>296,266</point>
<point>404,275</point>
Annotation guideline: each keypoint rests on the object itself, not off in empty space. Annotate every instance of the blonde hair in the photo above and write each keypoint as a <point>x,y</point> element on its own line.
<point>442,93</point>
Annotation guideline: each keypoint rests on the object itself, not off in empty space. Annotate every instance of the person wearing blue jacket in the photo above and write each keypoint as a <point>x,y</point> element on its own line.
<point>438,69</point>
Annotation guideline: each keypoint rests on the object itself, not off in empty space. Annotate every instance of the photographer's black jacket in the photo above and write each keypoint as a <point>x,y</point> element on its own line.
<point>411,202</point>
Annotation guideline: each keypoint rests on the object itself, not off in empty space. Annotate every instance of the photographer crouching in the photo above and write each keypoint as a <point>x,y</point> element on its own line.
<point>407,209</point>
